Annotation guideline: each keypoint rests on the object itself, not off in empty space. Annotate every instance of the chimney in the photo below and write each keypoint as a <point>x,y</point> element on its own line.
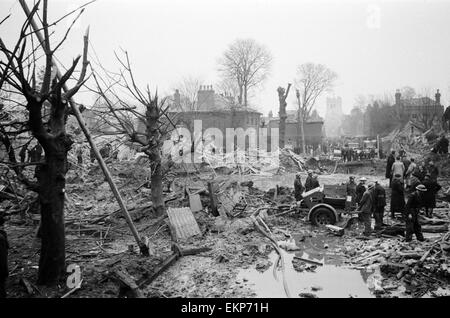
<point>177,99</point>
<point>205,97</point>
<point>397,97</point>
<point>270,114</point>
<point>437,96</point>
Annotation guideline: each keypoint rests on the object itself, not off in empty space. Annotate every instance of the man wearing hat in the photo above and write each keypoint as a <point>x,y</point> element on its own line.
<point>309,181</point>
<point>415,202</point>
<point>298,187</point>
<point>365,209</point>
<point>360,189</point>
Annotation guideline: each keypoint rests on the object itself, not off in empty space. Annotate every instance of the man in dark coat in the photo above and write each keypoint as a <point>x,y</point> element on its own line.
<point>390,161</point>
<point>298,187</point>
<point>397,196</point>
<point>365,209</point>
<point>360,189</point>
<point>429,197</point>
<point>413,182</point>
<point>3,258</point>
<point>413,205</point>
<point>309,181</point>
<point>420,172</point>
<point>379,202</point>
<point>315,181</point>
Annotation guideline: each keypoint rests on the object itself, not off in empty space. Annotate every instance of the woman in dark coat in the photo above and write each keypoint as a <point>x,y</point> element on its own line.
<point>397,195</point>
<point>389,163</point>
<point>429,197</point>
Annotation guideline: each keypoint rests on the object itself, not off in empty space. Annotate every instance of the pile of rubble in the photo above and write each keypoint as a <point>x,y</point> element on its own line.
<point>411,264</point>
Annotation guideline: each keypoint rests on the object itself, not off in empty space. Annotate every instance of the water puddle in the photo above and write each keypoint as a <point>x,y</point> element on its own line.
<point>332,280</point>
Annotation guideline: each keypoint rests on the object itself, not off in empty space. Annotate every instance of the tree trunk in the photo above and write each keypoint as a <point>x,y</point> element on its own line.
<point>245,95</point>
<point>302,126</point>
<point>282,130</point>
<point>240,95</point>
<point>154,148</point>
<point>52,181</point>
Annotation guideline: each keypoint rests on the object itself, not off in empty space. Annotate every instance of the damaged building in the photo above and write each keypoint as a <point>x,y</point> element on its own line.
<point>424,110</point>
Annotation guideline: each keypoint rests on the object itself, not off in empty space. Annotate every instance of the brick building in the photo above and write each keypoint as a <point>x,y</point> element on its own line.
<point>421,109</point>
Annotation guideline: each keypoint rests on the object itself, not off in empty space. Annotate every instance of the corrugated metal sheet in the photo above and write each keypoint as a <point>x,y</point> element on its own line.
<point>183,223</point>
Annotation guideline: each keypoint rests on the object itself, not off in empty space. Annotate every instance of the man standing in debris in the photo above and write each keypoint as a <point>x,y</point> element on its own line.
<point>351,191</point>
<point>298,187</point>
<point>406,163</point>
<point>365,209</point>
<point>433,171</point>
<point>397,196</point>
<point>315,181</point>
<point>415,202</point>
<point>379,197</point>
<point>309,181</point>
<point>398,168</point>
<point>413,182</point>
<point>429,197</point>
<point>389,163</point>
<point>411,168</point>
<point>3,257</point>
<point>360,189</point>
<point>23,152</point>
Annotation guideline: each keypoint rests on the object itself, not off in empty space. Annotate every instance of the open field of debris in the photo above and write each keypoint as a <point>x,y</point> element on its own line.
<point>229,256</point>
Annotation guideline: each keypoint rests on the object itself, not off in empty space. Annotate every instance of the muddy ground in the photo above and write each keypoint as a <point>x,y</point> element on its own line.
<point>240,262</point>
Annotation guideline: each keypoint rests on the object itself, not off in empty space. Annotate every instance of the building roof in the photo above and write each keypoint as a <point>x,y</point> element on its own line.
<point>417,102</point>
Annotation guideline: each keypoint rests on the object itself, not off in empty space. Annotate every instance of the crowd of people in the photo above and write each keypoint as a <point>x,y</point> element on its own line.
<point>413,187</point>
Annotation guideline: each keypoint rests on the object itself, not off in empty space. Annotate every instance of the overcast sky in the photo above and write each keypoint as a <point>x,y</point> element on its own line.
<point>375,47</point>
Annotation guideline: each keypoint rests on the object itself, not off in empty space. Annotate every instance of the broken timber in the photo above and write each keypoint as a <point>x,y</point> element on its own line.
<point>143,248</point>
<point>177,253</point>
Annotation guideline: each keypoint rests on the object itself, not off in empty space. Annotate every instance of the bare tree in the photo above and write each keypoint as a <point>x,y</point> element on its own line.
<point>188,89</point>
<point>122,96</point>
<point>408,92</point>
<point>311,82</point>
<point>18,69</point>
<point>228,88</point>
<point>247,64</point>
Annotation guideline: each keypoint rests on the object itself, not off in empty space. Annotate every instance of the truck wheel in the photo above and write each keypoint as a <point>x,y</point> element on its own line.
<point>322,216</point>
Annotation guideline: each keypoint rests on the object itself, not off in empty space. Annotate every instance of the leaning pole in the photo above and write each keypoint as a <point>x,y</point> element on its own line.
<point>142,246</point>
